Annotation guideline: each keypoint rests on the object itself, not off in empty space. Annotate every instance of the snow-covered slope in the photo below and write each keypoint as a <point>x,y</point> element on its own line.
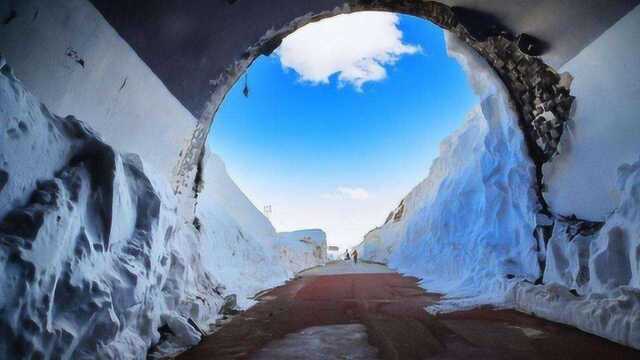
<point>97,261</point>
<point>467,228</point>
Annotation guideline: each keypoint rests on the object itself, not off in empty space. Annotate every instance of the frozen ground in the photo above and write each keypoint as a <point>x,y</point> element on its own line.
<point>96,258</point>
<point>332,342</point>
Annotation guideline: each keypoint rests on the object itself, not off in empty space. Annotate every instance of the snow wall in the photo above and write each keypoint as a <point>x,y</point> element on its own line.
<point>468,226</point>
<point>97,261</point>
<point>472,229</point>
<point>241,245</point>
<point>67,54</point>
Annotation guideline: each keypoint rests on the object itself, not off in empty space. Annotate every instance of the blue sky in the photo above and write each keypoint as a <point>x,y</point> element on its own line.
<point>338,151</point>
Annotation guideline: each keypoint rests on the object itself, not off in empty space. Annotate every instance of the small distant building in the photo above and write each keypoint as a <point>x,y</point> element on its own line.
<point>333,252</point>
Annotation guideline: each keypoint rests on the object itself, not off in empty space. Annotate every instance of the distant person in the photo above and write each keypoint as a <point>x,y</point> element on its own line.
<point>346,255</point>
<point>355,256</point>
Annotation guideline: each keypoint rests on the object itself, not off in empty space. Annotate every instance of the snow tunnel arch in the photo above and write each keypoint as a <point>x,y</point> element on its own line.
<point>539,94</point>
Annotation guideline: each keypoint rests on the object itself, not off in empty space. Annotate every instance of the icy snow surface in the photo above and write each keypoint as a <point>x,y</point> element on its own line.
<point>603,269</point>
<point>94,255</point>
<point>468,226</point>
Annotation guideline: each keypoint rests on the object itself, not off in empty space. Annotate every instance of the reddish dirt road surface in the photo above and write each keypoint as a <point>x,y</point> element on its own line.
<point>391,307</point>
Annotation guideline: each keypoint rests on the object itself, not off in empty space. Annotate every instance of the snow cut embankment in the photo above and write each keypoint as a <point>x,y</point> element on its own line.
<point>97,261</point>
<point>466,229</point>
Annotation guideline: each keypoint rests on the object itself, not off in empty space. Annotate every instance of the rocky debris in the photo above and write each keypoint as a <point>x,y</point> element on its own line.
<point>544,102</point>
<point>530,45</point>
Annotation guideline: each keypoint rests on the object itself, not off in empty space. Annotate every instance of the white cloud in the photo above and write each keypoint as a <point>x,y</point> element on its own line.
<point>344,192</point>
<point>356,46</point>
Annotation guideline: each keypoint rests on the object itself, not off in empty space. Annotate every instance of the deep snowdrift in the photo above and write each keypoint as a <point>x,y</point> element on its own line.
<point>467,228</point>
<point>96,260</point>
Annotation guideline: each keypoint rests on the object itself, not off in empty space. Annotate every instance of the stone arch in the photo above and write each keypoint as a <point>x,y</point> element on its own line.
<point>540,95</point>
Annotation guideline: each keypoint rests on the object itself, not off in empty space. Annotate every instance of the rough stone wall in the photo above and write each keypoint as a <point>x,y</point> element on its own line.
<point>68,55</point>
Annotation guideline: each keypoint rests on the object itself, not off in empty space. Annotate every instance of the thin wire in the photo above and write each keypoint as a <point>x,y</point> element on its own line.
<point>245,91</point>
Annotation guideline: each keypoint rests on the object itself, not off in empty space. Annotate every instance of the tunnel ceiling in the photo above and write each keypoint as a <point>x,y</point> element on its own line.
<point>188,44</point>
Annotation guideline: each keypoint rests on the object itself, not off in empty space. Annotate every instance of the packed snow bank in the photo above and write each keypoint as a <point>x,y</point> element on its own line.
<point>467,228</point>
<point>603,132</point>
<point>303,249</point>
<point>97,261</point>
<point>380,242</point>
<point>601,268</point>
<point>242,248</point>
<point>87,246</point>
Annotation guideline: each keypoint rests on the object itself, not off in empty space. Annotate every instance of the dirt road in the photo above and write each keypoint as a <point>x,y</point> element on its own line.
<point>367,311</point>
